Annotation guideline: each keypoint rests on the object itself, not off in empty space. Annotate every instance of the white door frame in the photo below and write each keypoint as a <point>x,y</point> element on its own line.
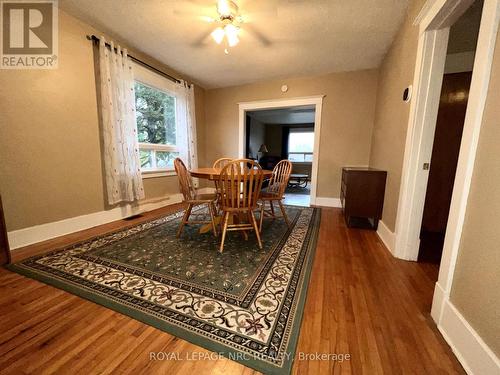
<point>317,101</point>
<point>434,21</point>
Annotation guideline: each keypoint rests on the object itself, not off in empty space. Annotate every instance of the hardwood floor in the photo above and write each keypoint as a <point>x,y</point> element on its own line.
<point>361,302</point>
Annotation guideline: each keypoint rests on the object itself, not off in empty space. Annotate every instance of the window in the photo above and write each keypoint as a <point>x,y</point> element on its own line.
<point>155,111</point>
<point>301,146</point>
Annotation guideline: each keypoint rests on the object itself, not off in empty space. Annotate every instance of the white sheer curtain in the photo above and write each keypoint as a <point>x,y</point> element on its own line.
<point>186,124</point>
<point>121,148</point>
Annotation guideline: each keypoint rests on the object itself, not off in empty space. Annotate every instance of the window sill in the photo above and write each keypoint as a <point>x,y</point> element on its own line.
<point>156,174</point>
<point>302,162</point>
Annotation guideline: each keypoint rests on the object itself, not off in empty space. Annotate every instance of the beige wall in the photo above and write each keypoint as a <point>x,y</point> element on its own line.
<point>273,138</point>
<point>347,121</point>
<point>49,137</point>
<point>257,136</point>
<point>476,283</point>
<point>391,118</point>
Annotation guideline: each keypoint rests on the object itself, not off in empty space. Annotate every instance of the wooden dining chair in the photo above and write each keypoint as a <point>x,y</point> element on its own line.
<point>192,198</point>
<point>221,163</point>
<point>275,191</point>
<point>240,182</point>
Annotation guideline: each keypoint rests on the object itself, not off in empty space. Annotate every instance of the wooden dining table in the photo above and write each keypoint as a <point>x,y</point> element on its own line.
<point>213,174</point>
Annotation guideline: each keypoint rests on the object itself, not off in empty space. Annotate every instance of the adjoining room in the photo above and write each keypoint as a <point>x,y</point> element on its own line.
<point>277,134</point>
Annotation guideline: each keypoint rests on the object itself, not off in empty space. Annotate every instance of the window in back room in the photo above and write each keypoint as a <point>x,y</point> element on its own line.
<point>300,145</point>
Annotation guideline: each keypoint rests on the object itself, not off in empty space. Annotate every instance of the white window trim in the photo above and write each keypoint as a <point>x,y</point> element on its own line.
<point>300,153</point>
<point>158,147</point>
<point>155,81</point>
<point>154,148</point>
<point>158,173</point>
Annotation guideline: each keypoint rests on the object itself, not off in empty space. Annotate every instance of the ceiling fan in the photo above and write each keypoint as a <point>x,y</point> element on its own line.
<point>228,17</point>
<point>229,24</point>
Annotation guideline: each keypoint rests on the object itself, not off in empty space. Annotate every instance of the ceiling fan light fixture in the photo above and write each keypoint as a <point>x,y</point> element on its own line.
<point>224,8</point>
<point>233,41</point>
<point>218,35</point>
<point>231,32</point>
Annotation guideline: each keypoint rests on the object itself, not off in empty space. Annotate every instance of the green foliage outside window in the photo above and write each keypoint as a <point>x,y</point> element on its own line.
<point>155,116</point>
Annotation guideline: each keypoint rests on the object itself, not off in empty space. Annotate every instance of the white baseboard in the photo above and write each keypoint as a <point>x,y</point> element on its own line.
<point>438,300</point>
<point>327,202</point>
<point>469,348</point>
<point>43,232</point>
<point>387,237</point>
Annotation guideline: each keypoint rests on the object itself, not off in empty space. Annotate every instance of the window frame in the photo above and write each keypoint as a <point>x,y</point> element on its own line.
<point>305,153</point>
<point>155,81</point>
<point>300,153</point>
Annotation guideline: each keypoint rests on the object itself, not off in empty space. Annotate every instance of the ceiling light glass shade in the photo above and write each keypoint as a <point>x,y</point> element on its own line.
<point>218,35</point>
<point>224,8</point>
<point>231,35</point>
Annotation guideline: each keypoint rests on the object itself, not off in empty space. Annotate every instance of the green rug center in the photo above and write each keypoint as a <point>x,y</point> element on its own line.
<point>195,258</point>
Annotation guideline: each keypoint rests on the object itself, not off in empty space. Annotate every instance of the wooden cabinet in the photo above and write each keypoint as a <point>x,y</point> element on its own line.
<point>362,196</point>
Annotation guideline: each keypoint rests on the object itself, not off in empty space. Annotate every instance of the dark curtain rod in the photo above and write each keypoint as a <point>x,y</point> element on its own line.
<point>93,38</point>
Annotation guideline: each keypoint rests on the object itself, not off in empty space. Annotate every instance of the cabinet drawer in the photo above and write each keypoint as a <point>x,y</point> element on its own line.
<point>362,192</point>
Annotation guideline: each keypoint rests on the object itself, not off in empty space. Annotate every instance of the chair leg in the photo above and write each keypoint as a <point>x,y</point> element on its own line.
<point>272,209</point>
<point>261,218</point>
<point>256,229</point>
<point>224,230</point>
<point>283,212</point>
<point>249,218</point>
<point>218,206</point>
<point>212,210</point>
<point>185,218</point>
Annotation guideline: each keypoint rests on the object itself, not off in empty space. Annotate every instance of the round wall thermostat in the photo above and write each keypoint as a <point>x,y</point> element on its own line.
<point>284,88</point>
<point>407,94</point>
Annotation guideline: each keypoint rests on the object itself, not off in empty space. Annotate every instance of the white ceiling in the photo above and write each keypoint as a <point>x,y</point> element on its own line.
<point>292,115</point>
<point>280,38</point>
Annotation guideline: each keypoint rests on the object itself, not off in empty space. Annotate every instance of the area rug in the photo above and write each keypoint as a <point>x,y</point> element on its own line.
<point>298,190</point>
<point>245,304</point>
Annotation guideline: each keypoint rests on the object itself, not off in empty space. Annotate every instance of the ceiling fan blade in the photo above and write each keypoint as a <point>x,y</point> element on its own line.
<point>253,17</point>
<point>264,40</point>
<point>207,19</point>
<point>192,9</point>
<point>200,41</point>
<point>256,7</point>
<point>195,14</point>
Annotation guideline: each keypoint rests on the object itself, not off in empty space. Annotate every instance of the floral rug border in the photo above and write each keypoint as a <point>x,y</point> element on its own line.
<point>282,343</point>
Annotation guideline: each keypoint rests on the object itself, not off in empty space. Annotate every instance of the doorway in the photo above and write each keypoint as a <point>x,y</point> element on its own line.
<point>305,113</point>
<point>434,24</point>
<point>279,134</point>
<point>448,133</point>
